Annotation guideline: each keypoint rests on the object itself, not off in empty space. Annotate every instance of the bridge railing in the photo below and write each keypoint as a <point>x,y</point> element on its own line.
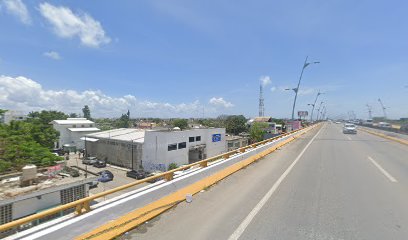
<point>84,205</point>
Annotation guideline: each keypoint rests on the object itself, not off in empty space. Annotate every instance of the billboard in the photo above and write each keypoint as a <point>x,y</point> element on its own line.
<point>303,113</point>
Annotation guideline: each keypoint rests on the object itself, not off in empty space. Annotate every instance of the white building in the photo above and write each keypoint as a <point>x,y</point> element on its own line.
<point>155,149</point>
<point>10,115</point>
<point>72,130</point>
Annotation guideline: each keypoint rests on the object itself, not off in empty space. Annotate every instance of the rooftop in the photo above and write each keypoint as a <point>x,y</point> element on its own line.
<point>93,129</point>
<point>121,134</point>
<point>72,121</point>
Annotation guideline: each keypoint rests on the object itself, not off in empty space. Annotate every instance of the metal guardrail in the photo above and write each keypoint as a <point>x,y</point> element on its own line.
<point>84,205</point>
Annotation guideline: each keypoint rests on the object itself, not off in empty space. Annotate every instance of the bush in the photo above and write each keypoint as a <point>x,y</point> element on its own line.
<point>172,166</point>
<point>4,166</point>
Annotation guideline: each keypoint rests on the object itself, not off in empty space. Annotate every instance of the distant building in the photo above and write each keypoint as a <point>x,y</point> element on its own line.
<point>146,125</point>
<point>10,115</point>
<point>235,142</point>
<point>155,149</point>
<point>72,130</point>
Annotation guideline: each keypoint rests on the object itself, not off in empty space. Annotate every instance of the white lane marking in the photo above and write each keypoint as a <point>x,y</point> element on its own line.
<point>391,178</point>
<point>349,138</point>
<point>244,224</point>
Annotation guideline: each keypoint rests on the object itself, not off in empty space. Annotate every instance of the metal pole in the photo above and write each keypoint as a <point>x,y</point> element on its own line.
<point>297,88</point>
<point>314,104</point>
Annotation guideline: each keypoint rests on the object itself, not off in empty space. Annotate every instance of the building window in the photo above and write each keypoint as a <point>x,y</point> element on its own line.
<point>191,139</point>
<point>198,138</point>
<point>72,194</point>
<point>74,126</point>
<point>237,144</point>
<point>230,144</point>
<point>82,125</point>
<point>90,125</point>
<point>182,145</point>
<point>6,214</point>
<point>172,147</point>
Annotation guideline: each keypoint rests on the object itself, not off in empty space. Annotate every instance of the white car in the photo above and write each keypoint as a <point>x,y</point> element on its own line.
<point>349,128</point>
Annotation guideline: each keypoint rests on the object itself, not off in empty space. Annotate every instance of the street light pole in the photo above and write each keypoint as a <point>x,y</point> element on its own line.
<point>296,90</point>
<point>318,110</point>
<point>314,104</point>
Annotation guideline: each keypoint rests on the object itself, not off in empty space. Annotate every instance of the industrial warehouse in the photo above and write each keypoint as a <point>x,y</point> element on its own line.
<point>155,150</point>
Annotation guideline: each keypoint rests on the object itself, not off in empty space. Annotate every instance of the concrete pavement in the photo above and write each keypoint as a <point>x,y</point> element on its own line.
<point>341,187</point>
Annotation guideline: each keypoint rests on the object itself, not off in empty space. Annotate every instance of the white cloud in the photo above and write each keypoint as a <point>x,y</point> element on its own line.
<point>53,55</point>
<point>220,102</point>
<point>265,80</point>
<point>21,93</point>
<point>273,89</point>
<point>67,24</point>
<point>18,9</point>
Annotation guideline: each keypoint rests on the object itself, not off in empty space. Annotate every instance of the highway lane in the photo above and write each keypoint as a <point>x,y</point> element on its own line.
<point>337,189</point>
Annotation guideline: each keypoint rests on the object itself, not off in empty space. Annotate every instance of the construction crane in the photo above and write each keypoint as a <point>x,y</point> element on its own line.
<point>370,116</point>
<point>383,108</point>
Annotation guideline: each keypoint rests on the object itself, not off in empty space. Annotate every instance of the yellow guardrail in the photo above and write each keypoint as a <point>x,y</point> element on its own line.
<point>395,139</point>
<point>83,205</point>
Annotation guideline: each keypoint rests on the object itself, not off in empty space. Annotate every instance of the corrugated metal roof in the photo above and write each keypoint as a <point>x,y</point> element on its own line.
<point>83,129</point>
<point>121,134</point>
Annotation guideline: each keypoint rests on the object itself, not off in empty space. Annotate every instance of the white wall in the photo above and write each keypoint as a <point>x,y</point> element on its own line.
<point>156,156</point>
<point>32,205</point>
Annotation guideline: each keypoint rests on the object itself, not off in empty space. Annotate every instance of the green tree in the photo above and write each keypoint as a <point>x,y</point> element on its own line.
<point>40,128</point>
<point>18,147</point>
<point>87,112</point>
<point>257,131</point>
<point>181,123</point>
<point>124,120</point>
<point>45,117</point>
<point>73,115</point>
<point>235,124</point>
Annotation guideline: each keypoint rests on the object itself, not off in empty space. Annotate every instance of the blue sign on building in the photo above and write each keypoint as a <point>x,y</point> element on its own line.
<point>216,137</point>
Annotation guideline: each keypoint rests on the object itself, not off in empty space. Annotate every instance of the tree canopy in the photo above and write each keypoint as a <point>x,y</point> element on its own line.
<point>22,143</point>
<point>87,112</point>
<point>181,123</point>
<point>235,124</point>
<point>257,131</point>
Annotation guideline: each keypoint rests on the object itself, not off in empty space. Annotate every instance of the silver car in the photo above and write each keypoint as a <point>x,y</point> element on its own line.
<point>349,128</point>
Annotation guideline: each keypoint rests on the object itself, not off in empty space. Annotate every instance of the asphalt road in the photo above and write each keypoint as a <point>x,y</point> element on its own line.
<point>326,185</point>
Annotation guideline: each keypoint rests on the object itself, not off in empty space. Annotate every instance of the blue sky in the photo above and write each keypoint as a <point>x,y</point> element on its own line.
<point>184,58</point>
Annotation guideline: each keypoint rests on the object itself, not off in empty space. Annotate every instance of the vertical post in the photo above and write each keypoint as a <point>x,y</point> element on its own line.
<point>297,88</point>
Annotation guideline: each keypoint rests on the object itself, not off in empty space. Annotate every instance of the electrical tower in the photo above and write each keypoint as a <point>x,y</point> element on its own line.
<point>370,111</point>
<point>383,108</point>
<point>261,102</point>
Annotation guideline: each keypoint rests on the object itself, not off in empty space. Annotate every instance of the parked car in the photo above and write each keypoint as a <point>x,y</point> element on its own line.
<point>349,128</point>
<point>93,184</point>
<point>99,164</point>
<point>136,174</point>
<point>89,160</point>
<point>105,176</point>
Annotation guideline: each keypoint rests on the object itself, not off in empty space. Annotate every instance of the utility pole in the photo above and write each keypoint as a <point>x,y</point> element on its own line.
<point>383,108</point>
